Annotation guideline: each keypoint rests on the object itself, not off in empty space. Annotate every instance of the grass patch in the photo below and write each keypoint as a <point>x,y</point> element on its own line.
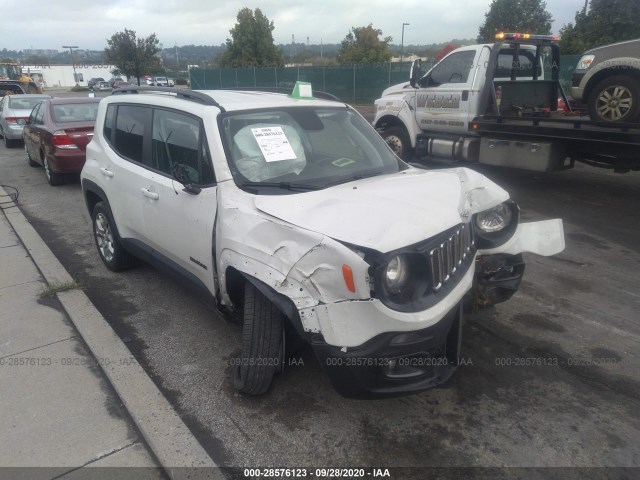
<point>78,88</point>
<point>52,289</point>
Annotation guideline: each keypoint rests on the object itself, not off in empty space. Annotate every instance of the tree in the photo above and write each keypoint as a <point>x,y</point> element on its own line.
<point>444,51</point>
<point>362,45</point>
<point>34,59</point>
<point>528,16</point>
<point>131,55</point>
<point>251,43</point>
<point>607,21</point>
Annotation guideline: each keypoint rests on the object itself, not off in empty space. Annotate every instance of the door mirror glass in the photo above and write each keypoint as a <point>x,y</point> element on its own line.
<point>415,73</point>
<point>181,174</point>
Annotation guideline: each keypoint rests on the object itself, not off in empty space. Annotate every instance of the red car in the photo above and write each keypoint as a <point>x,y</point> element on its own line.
<point>57,134</point>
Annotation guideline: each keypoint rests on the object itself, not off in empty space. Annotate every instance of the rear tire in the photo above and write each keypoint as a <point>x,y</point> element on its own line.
<point>398,139</point>
<point>8,143</point>
<point>53,178</point>
<point>262,343</point>
<point>615,99</point>
<point>105,234</point>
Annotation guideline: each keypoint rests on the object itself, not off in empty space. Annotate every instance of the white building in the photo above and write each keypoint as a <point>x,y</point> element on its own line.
<point>62,75</point>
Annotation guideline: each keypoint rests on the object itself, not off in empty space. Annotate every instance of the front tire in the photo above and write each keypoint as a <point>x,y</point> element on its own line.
<point>615,99</point>
<point>398,139</point>
<point>262,343</point>
<point>29,159</point>
<point>105,234</point>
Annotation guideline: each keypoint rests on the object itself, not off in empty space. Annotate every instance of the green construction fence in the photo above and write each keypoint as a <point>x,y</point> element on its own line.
<point>352,83</point>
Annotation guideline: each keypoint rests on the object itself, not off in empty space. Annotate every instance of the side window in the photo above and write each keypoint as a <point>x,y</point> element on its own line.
<point>39,119</point>
<point>176,140</point>
<point>108,122</point>
<point>34,112</point>
<point>453,69</point>
<point>129,132</point>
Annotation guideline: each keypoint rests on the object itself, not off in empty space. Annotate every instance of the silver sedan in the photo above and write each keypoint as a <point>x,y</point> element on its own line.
<point>14,113</point>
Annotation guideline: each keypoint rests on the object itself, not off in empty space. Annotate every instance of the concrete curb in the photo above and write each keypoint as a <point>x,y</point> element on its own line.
<point>171,441</point>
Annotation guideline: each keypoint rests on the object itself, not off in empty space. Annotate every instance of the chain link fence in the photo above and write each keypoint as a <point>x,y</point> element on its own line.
<point>356,83</point>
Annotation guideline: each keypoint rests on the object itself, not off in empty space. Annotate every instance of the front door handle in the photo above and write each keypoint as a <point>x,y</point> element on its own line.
<point>149,194</point>
<point>106,172</point>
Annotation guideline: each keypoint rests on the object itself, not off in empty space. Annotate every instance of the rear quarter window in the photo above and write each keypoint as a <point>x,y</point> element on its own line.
<point>108,123</point>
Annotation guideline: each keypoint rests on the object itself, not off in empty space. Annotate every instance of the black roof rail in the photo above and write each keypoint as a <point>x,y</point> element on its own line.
<point>316,93</point>
<point>190,95</point>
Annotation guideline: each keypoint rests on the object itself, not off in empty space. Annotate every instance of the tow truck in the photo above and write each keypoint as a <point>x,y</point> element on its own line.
<point>497,104</point>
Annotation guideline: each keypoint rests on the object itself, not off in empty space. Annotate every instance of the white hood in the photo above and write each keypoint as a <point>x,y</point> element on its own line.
<point>388,212</point>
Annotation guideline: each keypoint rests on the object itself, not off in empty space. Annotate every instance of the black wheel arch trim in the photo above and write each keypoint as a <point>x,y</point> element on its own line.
<point>282,302</point>
<point>90,186</point>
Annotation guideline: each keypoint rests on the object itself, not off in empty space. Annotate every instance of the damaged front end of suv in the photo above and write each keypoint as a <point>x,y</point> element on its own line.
<point>371,271</point>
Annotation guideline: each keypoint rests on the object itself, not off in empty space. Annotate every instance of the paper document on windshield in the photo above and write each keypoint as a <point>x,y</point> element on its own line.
<point>273,144</point>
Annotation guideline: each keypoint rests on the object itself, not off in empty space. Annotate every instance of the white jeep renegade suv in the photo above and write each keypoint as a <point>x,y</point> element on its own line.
<point>293,211</point>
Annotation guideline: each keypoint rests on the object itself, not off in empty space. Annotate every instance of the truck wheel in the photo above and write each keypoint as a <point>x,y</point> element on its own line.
<point>262,343</point>
<point>398,139</point>
<point>615,99</point>
<point>105,234</point>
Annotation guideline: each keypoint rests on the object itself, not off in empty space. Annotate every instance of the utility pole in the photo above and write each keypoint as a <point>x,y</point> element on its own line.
<point>402,43</point>
<point>71,47</point>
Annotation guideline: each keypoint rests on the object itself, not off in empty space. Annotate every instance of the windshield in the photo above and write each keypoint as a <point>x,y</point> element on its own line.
<point>26,102</point>
<point>293,149</point>
<point>75,112</point>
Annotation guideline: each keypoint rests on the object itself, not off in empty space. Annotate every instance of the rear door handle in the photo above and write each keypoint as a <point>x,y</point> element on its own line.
<point>106,172</point>
<point>149,194</point>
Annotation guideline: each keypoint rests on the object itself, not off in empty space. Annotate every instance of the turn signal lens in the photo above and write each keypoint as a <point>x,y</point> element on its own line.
<point>347,274</point>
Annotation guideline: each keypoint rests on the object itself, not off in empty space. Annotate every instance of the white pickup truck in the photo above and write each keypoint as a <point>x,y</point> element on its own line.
<point>494,104</point>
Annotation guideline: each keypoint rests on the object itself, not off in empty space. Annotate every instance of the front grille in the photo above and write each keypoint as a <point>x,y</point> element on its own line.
<point>446,258</point>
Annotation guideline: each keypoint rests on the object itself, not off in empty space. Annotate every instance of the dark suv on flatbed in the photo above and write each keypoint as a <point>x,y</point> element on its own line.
<point>607,80</point>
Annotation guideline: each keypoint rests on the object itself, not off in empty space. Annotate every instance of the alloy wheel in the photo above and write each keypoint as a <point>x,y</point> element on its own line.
<point>614,102</point>
<point>104,237</point>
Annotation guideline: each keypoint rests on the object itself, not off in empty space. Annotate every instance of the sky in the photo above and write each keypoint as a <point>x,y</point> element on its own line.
<point>88,24</point>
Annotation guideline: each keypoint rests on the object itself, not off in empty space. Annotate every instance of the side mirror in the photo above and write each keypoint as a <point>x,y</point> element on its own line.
<point>181,175</point>
<point>415,73</point>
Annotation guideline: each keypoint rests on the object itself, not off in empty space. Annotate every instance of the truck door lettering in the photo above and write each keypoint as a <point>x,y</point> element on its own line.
<point>426,100</point>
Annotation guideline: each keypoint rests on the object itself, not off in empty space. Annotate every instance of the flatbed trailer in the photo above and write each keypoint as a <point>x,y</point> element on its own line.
<point>605,145</point>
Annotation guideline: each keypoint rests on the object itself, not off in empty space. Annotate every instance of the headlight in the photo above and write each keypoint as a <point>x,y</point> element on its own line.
<point>494,219</point>
<point>396,275</point>
<point>495,225</point>
<point>585,62</point>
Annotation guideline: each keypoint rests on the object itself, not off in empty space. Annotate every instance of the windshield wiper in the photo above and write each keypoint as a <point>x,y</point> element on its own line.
<point>358,176</point>
<point>283,185</point>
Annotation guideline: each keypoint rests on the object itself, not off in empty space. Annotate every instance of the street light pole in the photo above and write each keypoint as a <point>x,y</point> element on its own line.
<point>71,47</point>
<point>402,43</point>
